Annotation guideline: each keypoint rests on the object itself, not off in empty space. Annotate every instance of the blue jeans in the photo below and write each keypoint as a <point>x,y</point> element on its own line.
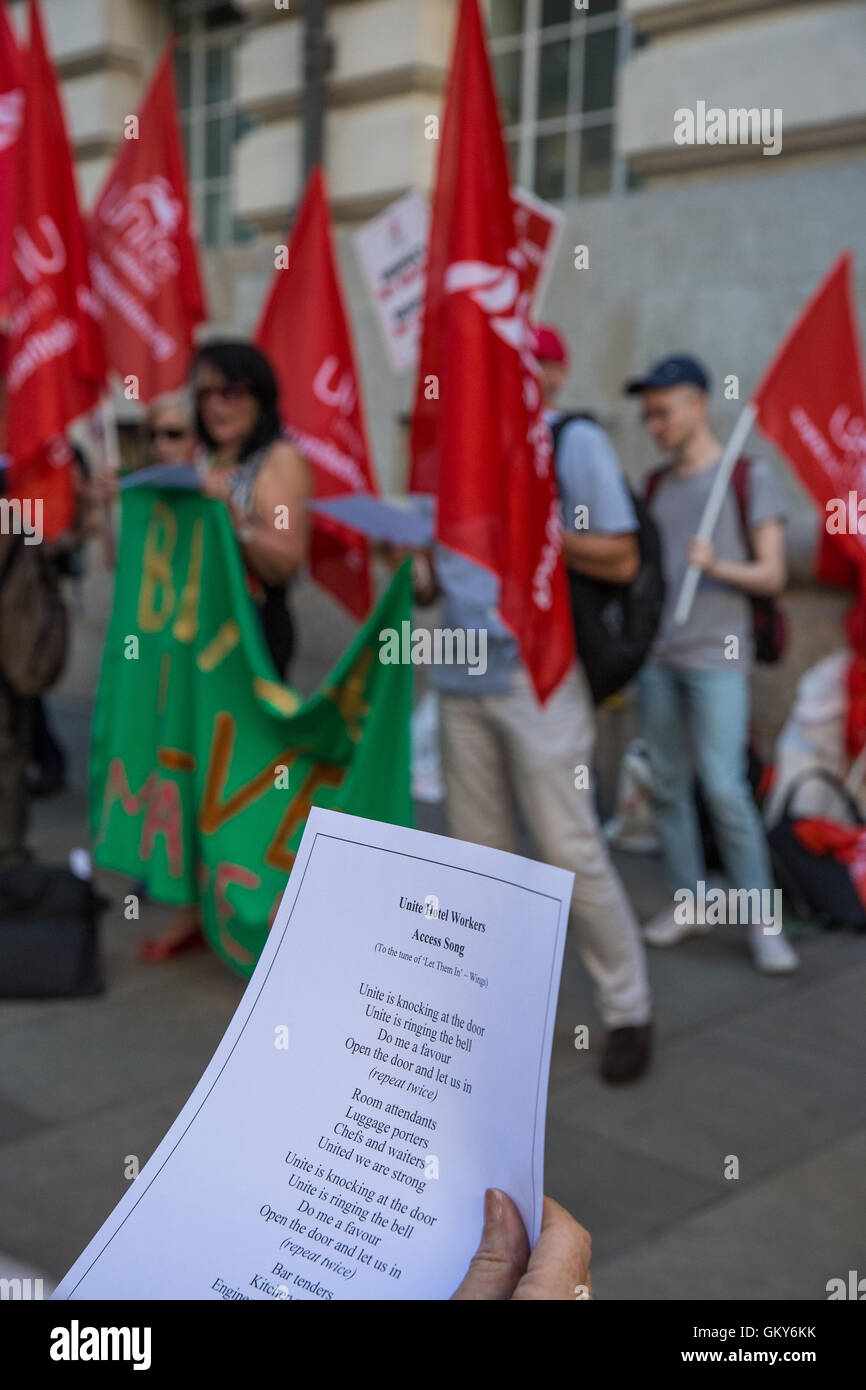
<point>698,722</point>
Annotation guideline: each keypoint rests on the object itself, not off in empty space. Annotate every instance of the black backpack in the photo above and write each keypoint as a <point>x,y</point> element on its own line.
<point>614,624</point>
<point>48,933</point>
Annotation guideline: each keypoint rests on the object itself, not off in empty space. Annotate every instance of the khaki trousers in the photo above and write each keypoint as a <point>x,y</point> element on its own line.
<point>502,749</point>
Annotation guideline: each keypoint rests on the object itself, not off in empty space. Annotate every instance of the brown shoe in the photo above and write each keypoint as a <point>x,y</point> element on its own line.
<point>626,1053</point>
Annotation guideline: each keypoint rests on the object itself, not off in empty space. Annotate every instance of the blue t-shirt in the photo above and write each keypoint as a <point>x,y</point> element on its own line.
<point>588,474</point>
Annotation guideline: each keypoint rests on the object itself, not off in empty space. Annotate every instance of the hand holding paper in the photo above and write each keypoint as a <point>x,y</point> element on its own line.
<point>387,1063</point>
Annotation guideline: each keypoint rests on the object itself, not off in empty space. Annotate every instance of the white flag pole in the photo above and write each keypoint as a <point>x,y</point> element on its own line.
<point>713,507</point>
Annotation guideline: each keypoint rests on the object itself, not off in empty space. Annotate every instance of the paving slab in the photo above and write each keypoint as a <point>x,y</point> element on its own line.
<point>57,1187</point>
<point>769,1070</point>
<point>782,1238</point>
<point>621,1196</point>
<point>721,1092</point>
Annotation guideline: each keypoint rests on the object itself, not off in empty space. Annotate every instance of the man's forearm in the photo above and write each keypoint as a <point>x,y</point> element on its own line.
<point>753,577</point>
<point>611,559</point>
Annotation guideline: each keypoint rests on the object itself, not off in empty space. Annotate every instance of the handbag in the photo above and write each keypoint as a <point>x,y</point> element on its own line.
<point>821,863</point>
<point>49,945</point>
<point>33,621</point>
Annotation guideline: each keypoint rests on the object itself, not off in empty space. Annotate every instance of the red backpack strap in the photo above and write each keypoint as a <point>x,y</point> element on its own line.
<point>740,484</point>
<point>653,479</point>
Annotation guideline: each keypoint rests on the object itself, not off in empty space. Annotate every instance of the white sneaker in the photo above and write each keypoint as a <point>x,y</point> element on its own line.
<point>665,930</point>
<point>772,954</point>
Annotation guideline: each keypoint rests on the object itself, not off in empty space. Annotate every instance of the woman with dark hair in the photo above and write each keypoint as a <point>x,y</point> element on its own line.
<point>263,480</point>
<point>258,474</point>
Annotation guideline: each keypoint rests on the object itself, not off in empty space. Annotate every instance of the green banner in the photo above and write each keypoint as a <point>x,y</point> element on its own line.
<point>203,765</point>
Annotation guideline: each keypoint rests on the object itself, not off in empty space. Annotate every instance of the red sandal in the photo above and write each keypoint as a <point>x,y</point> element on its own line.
<point>153,951</point>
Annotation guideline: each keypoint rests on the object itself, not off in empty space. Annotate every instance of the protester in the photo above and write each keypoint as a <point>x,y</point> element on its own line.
<point>263,482</point>
<point>258,474</point>
<point>46,774</point>
<point>25,731</point>
<point>170,430</point>
<point>499,746</point>
<point>14,724</point>
<point>168,436</point>
<point>14,753</point>
<point>696,682</point>
<point>504,1268</point>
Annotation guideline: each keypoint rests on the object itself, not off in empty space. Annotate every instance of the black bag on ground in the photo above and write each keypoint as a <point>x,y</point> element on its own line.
<point>820,883</point>
<point>614,624</point>
<point>48,933</point>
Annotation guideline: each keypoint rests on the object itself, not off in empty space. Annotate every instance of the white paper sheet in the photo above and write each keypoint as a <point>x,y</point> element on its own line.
<point>378,519</point>
<point>384,1066</point>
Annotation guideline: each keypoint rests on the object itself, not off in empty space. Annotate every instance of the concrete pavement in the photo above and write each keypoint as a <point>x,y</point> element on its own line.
<point>769,1071</point>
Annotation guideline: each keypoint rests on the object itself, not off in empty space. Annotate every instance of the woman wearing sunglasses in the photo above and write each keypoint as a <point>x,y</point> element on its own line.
<point>262,479</point>
<point>258,474</point>
<point>169,431</point>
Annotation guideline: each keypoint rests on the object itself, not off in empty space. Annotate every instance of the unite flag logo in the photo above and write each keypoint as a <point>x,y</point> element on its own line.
<point>480,441</point>
<point>496,290</point>
<point>144,219</point>
<point>11,119</point>
<point>143,257</point>
<point>305,331</point>
<point>34,261</point>
<point>55,366</point>
<point>811,403</point>
<point>848,433</point>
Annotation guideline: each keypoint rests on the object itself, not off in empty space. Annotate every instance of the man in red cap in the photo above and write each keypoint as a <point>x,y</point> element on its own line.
<point>501,749</point>
<point>550,348</point>
<point>588,475</point>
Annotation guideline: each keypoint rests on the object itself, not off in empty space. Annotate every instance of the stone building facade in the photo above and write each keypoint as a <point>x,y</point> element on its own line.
<point>701,247</point>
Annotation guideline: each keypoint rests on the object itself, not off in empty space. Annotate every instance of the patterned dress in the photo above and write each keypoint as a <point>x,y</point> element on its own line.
<point>271,600</point>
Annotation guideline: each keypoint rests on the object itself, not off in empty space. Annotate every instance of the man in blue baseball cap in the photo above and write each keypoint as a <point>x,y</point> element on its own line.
<point>670,371</point>
<point>694,689</point>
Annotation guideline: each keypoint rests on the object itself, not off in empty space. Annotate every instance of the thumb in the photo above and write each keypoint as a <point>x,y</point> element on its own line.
<point>503,1252</point>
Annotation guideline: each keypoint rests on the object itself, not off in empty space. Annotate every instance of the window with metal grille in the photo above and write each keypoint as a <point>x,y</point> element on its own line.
<point>556,69</point>
<point>211,123</point>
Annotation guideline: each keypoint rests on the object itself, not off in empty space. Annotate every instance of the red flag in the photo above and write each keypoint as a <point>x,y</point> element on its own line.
<point>55,367</point>
<point>142,250</point>
<point>305,333</point>
<point>537,227</point>
<point>11,108</point>
<point>479,439</point>
<point>811,403</point>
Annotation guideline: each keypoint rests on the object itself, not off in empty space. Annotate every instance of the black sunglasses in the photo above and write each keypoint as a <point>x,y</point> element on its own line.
<point>232,391</point>
<point>166,432</point>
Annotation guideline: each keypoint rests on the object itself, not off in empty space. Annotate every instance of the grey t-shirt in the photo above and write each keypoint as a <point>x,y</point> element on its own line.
<point>719,611</point>
<point>588,474</point>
